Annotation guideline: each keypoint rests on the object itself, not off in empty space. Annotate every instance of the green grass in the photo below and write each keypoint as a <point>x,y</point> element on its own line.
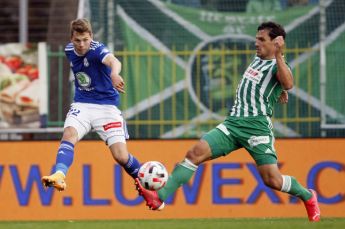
<point>264,223</point>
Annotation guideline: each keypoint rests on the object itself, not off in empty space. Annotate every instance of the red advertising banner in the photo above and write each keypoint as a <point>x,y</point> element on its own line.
<point>98,188</point>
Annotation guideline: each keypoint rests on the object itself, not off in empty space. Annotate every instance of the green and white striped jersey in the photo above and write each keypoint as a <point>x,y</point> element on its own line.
<point>258,90</point>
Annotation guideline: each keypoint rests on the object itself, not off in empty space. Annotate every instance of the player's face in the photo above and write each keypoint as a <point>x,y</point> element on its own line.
<point>81,42</point>
<point>264,45</point>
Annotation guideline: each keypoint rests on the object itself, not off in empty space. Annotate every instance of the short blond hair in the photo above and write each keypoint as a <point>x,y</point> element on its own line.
<point>81,25</point>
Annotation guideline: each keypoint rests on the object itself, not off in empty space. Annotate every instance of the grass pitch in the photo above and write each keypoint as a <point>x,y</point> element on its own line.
<point>264,223</point>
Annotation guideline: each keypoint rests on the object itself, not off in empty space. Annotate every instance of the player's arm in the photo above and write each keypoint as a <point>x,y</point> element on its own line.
<point>115,65</point>
<point>284,74</point>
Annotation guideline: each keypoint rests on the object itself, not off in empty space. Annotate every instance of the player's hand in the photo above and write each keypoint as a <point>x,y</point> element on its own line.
<point>118,83</point>
<point>284,97</point>
<point>279,44</point>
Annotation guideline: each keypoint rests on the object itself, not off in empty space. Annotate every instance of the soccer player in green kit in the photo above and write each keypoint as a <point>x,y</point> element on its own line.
<point>248,125</point>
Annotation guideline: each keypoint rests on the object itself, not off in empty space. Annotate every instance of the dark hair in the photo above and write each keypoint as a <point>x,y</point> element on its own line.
<point>274,29</point>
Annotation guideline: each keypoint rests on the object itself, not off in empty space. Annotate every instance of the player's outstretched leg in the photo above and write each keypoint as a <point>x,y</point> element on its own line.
<point>151,197</point>
<point>56,180</point>
<point>312,207</point>
<point>181,174</point>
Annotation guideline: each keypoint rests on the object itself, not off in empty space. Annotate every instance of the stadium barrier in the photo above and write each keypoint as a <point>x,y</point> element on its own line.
<point>228,187</point>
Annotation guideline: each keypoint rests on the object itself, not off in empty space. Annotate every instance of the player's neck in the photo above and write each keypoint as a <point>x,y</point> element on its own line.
<point>80,54</point>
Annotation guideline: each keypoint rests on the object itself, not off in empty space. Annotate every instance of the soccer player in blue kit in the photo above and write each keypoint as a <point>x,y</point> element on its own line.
<point>97,87</point>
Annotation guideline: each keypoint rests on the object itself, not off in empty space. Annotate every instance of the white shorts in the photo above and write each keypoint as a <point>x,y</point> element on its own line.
<point>105,120</point>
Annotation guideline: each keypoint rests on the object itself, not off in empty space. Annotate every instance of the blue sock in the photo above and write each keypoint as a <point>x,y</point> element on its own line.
<point>132,166</point>
<point>64,157</point>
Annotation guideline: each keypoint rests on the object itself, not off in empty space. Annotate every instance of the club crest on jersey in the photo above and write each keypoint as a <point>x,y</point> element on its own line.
<point>83,79</point>
<point>86,63</point>
<point>253,75</point>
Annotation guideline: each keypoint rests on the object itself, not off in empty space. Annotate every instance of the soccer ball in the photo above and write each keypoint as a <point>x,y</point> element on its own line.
<point>153,175</point>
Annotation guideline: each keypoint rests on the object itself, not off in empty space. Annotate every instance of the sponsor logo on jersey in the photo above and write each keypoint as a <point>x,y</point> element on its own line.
<point>83,79</point>
<point>253,75</point>
<point>257,140</point>
<point>112,125</point>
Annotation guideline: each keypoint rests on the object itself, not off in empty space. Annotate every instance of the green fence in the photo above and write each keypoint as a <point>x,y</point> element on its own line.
<point>165,100</point>
<point>183,59</point>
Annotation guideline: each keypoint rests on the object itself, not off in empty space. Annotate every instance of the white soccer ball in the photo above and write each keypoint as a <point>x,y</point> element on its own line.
<point>153,175</point>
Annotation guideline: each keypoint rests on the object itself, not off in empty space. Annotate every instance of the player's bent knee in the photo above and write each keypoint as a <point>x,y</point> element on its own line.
<point>191,156</point>
<point>119,152</point>
<point>199,153</point>
<point>70,134</point>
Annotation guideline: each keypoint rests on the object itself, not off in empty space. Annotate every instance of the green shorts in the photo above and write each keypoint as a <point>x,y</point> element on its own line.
<point>253,133</point>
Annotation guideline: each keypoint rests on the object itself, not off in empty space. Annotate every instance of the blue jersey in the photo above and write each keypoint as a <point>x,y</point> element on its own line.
<point>91,77</point>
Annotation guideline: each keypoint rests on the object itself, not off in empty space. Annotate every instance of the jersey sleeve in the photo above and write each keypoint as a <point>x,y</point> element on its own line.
<point>102,52</point>
<point>68,49</point>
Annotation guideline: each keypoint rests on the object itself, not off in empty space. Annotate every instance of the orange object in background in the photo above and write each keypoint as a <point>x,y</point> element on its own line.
<point>229,187</point>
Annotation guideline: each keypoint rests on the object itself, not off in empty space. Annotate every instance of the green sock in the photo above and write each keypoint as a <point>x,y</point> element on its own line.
<point>179,176</point>
<point>291,186</point>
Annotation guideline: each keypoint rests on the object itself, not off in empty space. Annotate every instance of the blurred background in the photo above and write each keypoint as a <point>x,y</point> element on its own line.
<point>182,60</point>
